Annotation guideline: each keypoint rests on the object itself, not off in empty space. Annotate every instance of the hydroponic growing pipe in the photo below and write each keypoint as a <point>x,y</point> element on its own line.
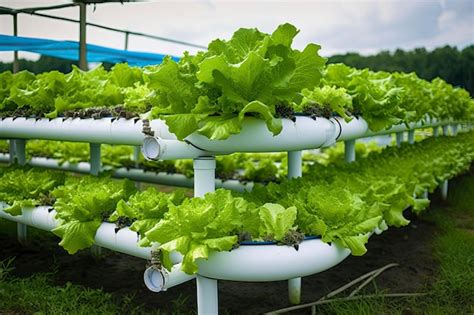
<point>140,175</point>
<point>123,241</point>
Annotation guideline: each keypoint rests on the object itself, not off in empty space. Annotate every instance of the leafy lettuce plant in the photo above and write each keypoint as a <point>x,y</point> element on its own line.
<point>247,75</point>
<point>27,187</point>
<point>82,204</point>
<point>144,209</point>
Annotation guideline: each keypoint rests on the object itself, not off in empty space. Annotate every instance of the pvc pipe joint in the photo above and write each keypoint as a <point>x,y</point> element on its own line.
<point>162,149</point>
<point>159,279</point>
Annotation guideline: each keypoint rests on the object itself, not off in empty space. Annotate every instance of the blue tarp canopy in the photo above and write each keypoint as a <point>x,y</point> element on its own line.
<point>70,50</point>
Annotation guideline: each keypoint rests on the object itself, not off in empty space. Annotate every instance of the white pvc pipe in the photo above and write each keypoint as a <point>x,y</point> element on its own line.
<point>11,149</point>
<point>136,155</point>
<point>399,138</point>
<point>295,164</point>
<point>454,129</point>
<point>22,233</point>
<point>20,151</point>
<point>204,176</point>
<point>272,262</point>
<point>124,241</point>
<point>305,133</point>
<point>162,149</point>
<point>411,136</point>
<point>133,174</point>
<point>207,296</point>
<point>425,194</point>
<point>349,150</point>
<point>105,130</point>
<point>5,158</point>
<point>158,280</point>
<point>95,159</point>
<point>294,290</point>
<point>295,169</point>
<point>354,129</point>
<point>444,190</point>
<point>445,129</point>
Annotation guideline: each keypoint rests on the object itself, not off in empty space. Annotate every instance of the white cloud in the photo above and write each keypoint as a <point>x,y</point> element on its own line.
<point>339,26</point>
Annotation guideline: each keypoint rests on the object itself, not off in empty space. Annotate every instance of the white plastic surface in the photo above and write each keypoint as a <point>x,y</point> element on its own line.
<point>305,133</point>
<point>272,262</point>
<point>124,241</point>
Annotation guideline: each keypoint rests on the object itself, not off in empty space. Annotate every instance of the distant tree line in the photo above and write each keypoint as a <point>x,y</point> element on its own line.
<point>43,64</point>
<point>453,65</point>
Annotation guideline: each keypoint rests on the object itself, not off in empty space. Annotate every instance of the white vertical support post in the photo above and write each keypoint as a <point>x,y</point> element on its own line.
<point>399,138</point>
<point>445,130</point>
<point>435,131</point>
<point>444,190</point>
<point>295,169</point>
<point>136,156</point>
<point>411,136</point>
<point>136,159</point>
<point>19,149</point>
<point>204,175</point>
<point>95,160</point>
<point>204,182</point>
<point>295,164</point>
<point>11,150</point>
<point>349,151</point>
<point>207,296</point>
<point>425,194</point>
<point>95,163</point>
<point>454,129</point>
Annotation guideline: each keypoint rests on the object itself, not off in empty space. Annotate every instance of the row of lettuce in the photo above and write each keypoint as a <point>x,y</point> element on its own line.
<point>341,204</point>
<point>252,74</point>
<point>258,167</point>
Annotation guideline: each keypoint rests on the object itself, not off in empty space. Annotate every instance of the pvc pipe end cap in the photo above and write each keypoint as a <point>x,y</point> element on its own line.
<point>151,148</point>
<point>154,279</point>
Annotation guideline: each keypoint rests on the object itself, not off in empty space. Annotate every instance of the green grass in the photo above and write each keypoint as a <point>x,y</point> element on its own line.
<point>38,295</point>
<point>452,292</point>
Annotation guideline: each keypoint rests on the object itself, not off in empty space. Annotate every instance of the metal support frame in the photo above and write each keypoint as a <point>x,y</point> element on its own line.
<point>204,182</point>
<point>349,150</point>
<point>399,138</point>
<point>444,190</point>
<point>411,136</point>
<point>295,169</point>
<point>127,34</point>
<point>16,65</point>
<point>82,37</point>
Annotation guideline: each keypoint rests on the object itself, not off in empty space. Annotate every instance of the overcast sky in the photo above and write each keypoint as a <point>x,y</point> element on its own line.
<point>338,26</point>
